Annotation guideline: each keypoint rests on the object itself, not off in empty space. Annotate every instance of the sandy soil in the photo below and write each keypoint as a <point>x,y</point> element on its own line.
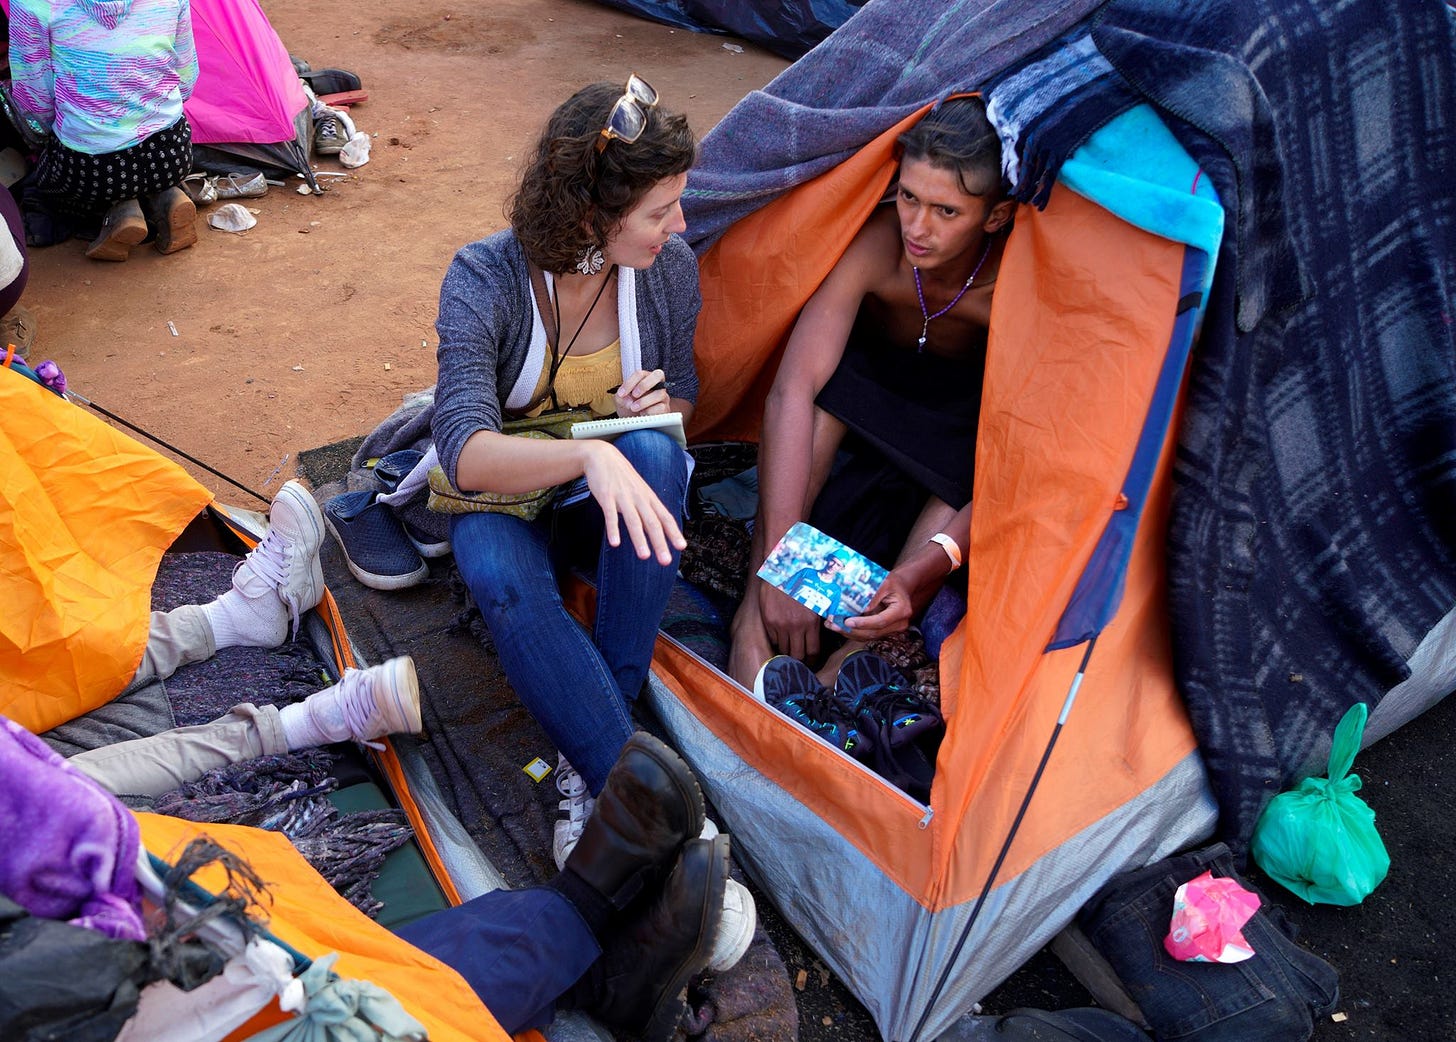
<point>311,326</point>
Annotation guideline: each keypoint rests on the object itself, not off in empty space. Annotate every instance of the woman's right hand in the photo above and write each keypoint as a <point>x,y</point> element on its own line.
<point>628,501</point>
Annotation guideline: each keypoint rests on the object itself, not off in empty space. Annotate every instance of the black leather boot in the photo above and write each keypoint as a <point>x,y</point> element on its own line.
<point>640,982</point>
<point>650,805</point>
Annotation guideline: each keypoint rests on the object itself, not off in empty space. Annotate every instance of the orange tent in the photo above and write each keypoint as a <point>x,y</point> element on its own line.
<point>922,909</point>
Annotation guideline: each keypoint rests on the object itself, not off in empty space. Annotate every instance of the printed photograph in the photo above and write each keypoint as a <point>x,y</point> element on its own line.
<point>822,574</point>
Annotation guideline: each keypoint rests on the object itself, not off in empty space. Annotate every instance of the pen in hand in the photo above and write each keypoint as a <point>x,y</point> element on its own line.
<point>655,387</point>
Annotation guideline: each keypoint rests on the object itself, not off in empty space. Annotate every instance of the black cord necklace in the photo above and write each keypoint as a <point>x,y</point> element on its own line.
<point>558,356</point>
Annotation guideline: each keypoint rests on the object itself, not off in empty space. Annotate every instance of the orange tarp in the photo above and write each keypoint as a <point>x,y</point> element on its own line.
<point>307,914</point>
<point>85,515</point>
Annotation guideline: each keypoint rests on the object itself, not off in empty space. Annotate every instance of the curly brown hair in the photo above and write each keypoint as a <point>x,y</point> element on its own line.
<point>574,195</point>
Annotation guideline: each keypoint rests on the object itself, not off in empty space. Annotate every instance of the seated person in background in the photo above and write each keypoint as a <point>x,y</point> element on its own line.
<point>883,369</point>
<point>272,587</point>
<point>107,81</point>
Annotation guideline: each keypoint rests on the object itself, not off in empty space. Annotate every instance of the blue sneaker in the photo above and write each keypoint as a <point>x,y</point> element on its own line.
<point>900,730</point>
<point>389,471</point>
<point>792,688</point>
<point>375,545</point>
<point>863,674</point>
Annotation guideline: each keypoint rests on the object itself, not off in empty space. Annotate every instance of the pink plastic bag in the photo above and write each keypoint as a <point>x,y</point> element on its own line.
<point>1208,919</point>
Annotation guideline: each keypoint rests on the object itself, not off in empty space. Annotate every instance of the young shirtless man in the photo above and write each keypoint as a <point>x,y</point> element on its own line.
<point>885,361</point>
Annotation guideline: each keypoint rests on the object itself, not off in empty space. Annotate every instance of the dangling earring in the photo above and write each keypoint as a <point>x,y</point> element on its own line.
<point>590,260</point>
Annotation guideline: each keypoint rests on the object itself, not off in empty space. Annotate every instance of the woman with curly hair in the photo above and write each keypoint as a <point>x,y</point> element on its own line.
<point>597,212</point>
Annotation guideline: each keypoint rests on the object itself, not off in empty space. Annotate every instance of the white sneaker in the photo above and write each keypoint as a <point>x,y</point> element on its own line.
<point>735,928</point>
<point>577,806</point>
<point>739,920</point>
<point>369,703</point>
<point>285,564</point>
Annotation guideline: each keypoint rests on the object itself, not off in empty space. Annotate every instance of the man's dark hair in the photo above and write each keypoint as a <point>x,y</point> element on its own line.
<point>957,136</point>
<point>573,194</point>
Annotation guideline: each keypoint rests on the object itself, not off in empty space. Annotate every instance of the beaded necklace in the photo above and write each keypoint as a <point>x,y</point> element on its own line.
<point>919,292</point>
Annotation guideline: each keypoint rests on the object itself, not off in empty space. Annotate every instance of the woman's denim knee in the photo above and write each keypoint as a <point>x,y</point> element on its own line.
<point>504,562</point>
<point>660,461</point>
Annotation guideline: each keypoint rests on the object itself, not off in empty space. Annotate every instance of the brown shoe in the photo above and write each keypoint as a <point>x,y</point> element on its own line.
<point>17,329</point>
<point>122,228</point>
<point>174,216</point>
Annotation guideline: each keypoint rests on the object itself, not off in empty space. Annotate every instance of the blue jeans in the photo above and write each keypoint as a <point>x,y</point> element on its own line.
<point>579,686</point>
<point>1272,997</point>
<point>518,949</point>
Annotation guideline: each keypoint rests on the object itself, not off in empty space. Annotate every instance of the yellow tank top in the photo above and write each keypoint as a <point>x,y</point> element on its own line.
<point>584,380</point>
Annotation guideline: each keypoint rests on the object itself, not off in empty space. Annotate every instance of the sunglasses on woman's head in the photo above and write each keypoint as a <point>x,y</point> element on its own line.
<point>628,118</point>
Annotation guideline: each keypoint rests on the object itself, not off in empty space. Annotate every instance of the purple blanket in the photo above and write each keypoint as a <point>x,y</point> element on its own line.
<point>68,849</point>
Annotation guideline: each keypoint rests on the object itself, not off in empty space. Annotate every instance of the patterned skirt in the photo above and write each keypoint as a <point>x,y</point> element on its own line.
<point>86,184</point>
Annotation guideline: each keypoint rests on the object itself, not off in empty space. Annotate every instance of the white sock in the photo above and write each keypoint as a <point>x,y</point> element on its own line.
<point>238,620</point>
<point>315,721</point>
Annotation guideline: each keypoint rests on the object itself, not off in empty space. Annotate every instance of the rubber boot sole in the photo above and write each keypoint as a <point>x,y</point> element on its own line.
<point>176,222</point>
<point>118,237</point>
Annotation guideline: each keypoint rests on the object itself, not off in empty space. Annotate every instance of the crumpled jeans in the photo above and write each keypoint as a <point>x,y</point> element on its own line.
<point>1272,997</point>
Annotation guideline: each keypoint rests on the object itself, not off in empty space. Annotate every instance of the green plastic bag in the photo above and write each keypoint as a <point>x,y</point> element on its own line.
<point>1319,839</point>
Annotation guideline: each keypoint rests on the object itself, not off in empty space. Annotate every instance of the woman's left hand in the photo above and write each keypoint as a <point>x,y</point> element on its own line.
<point>644,393</point>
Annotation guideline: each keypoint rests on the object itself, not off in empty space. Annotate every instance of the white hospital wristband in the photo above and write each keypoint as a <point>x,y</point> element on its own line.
<point>950,546</point>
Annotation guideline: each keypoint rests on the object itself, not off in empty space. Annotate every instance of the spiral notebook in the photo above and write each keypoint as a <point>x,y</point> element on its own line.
<point>670,422</point>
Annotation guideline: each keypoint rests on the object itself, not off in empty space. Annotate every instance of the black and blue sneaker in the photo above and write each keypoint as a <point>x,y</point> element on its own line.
<point>900,729</point>
<point>792,688</point>
<point>389,471</point>
<point>863,673</point>
<point>375,546</point>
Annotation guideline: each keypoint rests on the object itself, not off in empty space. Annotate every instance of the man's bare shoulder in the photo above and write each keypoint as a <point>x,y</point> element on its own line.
<point>875,251</point>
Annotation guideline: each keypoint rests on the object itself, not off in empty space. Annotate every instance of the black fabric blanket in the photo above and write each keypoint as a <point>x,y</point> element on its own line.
<point>1314,524</point>
<point>1313,540</point>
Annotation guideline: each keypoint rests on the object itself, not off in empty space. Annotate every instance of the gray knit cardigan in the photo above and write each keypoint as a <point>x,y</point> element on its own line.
<point>492,342</point>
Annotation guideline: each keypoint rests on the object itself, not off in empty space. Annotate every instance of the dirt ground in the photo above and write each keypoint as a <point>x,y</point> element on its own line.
<point>311,326</point>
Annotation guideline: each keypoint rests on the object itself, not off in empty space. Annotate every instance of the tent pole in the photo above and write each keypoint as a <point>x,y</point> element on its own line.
<point>170,448</point>
<point>1006,846</point>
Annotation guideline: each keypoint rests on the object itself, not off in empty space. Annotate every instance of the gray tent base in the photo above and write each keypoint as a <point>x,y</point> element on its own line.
<point>284,158</point>
<point>885,946</point>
